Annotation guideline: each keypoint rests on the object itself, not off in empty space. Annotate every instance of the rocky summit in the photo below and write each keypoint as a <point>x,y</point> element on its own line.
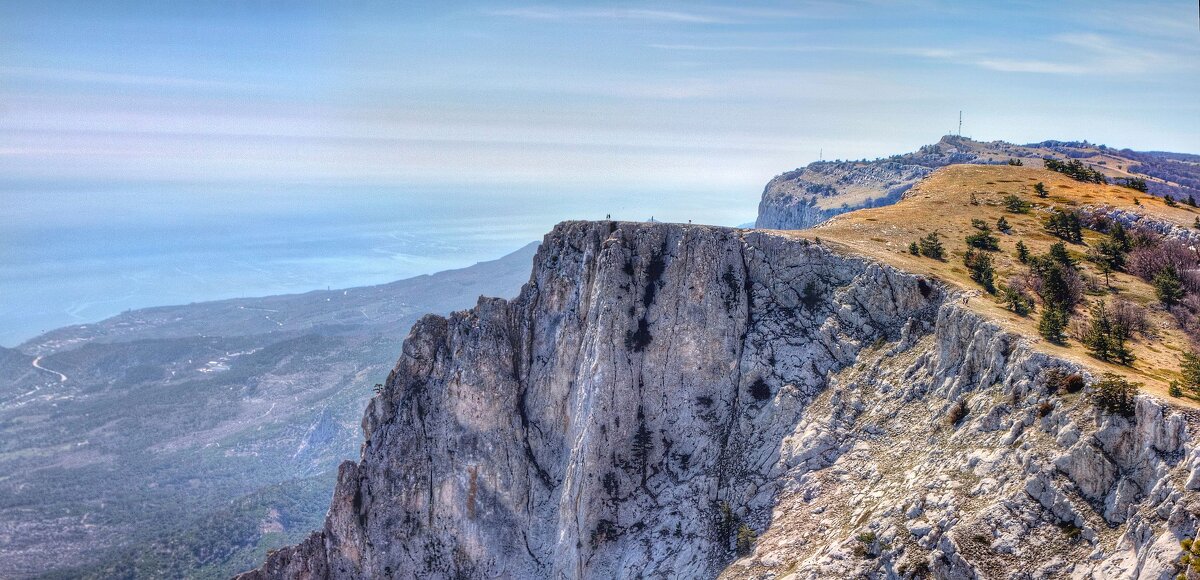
<point>808,196</point>
<point>667,400</point>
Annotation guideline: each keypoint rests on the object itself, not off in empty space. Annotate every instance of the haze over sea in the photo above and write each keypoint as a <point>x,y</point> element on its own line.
<point>75,254</point>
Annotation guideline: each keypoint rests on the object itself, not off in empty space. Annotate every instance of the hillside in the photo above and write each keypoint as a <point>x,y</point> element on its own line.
<point>185,441</point>
<point>680,400</point>
<point>808,196</point>
<point>952,197</point>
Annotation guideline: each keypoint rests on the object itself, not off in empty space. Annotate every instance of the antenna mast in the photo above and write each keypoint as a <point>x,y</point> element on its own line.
<point>960,122</point>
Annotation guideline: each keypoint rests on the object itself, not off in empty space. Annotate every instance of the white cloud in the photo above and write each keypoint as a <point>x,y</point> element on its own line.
<point>1029,66</point>
<point>86,76</point>
<point>630,14</point>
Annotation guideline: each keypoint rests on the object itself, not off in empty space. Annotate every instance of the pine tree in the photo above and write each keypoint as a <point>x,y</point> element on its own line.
<point>1189,367</point>
<point>1040,190</point>
<point>931,246</point>
<point>1023,252</point>
<point>914,249</point>
<point>1003,226</point>
<point>982,272</point>
<point>1015,204</point>
<point>1052,324</point>
<point>1168,286</point>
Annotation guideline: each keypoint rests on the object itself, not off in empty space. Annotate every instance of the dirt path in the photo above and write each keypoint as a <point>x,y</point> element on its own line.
<point>61,377</point>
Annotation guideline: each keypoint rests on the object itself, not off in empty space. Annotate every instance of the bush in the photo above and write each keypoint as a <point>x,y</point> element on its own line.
<point>931,246</point>
<point>1189,367</point>
<point>1075,169</point>
<point>1106,336</point>
<point>1015,204</point>
<point>745,540</point>
<point>1066,225</point>
<point>1053,324</point>
<point>914,249</point>
<point>1135,183</point>
<point>1016,300</point>
<point>982,272</point>
<point>1022,252</point>
<point>1174,390</point>
<point>957,413</point>
<point>1168,286</point>
<point>1115,395</point>
<point>1039,189</point>
<point>1062,383</point>
<point>984,240</point>
<point>1002,225</point>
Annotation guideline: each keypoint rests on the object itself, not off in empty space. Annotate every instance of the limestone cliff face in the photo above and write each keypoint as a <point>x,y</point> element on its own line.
<point>659,394</point>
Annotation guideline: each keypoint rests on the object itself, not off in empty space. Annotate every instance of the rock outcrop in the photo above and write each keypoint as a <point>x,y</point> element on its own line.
<point>689,401</point>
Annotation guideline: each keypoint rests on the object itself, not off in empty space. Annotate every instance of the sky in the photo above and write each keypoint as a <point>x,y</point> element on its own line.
<point>528,98</point>
<point>159,152</point>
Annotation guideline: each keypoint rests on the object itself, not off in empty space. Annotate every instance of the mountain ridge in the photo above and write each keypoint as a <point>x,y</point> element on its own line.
<point>674,399</point>
<point>807,196</point>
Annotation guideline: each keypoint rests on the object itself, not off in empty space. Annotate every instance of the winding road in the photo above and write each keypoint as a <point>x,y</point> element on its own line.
<point>61,377</point>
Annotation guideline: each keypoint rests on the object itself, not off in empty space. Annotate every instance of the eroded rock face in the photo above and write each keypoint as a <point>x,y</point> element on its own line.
<point>810,195</point>
<point>659,394</point>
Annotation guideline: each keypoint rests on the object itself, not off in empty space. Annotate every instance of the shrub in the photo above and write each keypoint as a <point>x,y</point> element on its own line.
<point>1053,324</point>
<point>1189,367</point>
<point>1168,286</point>
<point>1106,336</point>
<point>1174,390</point>
<point>1015,204</point>
<point>1115,395</point>
<point>1063,383</point>
<point>745,540</point>
<point>957,413</point>
<point>979,224</point>
<point>1022,252</point>
<point>1170,201</point>
<point>1056,281</point>
<point>1058,252</point>
<point>1016,300</point>
<point>1002,225</point>
<point>1075,169</point>
<point>1040,190</point>
<point>1066,225</point>
<point>931,246</point>
<point>982,272</point>
<point>1136,183</point>
<point>914,249</point>
<point>983,240</point>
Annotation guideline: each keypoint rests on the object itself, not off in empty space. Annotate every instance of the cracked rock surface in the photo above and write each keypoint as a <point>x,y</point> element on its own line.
<point>689,401</point>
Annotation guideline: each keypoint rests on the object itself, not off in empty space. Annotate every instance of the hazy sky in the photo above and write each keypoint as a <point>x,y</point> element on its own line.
<point>705,96</point>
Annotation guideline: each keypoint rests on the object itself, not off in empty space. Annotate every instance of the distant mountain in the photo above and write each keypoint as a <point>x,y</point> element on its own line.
<point>187,440</point>
<point>805,197</point>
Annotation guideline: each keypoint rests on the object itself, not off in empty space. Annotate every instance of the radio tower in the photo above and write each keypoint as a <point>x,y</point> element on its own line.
<point>960,122</point>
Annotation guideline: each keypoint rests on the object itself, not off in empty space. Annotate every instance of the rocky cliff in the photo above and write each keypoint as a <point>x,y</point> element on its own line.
<point>689,401</point>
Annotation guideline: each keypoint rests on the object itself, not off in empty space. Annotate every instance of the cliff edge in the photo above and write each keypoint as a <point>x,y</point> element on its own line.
<point>688,401</point>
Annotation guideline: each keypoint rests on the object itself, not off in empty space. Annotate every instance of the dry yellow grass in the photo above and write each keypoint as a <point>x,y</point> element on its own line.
<point>942,203</point>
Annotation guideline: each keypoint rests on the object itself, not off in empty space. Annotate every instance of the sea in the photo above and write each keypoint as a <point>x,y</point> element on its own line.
<point>74,254</point>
